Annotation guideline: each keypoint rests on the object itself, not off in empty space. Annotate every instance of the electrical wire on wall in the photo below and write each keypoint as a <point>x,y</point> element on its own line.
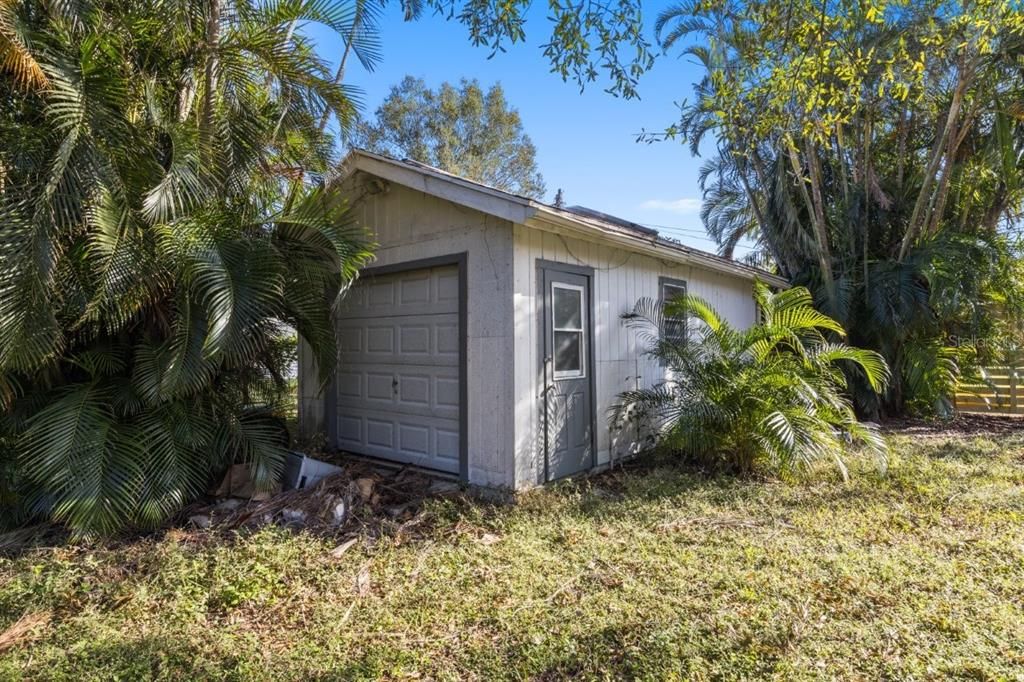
<point>580,261</point>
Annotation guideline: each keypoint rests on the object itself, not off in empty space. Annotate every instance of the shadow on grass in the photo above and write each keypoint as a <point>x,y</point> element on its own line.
<point>129,659</point>
<point>967,450</point>
<point>656,478</point>
<point>642,650</point>
<point>20,541</point>
<point>145,658</point>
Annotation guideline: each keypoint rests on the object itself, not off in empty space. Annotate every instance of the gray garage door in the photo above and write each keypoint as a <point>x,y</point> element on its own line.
<point>398,379</point>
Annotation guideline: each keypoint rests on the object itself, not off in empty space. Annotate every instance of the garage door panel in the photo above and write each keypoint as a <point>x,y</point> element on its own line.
<point>405,389</point>
<point>414,339</point>
<point>415,289</point>
<point>399,368</point>
<point>446,339</point>
<point>380,433</point>
<point>379,294</point>
<point>447,287</point>
<point>414,439</point>
<point>379,387</point>
<point>350,384</point>
<point>350,430</point>
<point>411,439</point>
<point>380,339</point>
<point>447,444</point>
<point>419,339</point>
<point>350,340</point>
<point>414,390</point>
<point>446,392</point>
<point>417,292</point>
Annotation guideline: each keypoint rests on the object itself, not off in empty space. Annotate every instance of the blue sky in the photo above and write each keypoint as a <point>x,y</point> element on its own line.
<point>586,143</point>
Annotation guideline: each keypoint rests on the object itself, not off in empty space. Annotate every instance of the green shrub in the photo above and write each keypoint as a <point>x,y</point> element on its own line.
<point>771,396</point>
<point>167,215</point>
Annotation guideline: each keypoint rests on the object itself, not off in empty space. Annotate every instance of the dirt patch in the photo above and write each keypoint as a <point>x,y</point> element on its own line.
<point>961,425</point>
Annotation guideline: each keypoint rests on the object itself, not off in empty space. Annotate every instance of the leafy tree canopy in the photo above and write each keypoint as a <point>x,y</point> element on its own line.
<point>587,36</point>
<point>874,152</point>
<point>167,212</point>
<point>462,130</point>
<point>165,218</point>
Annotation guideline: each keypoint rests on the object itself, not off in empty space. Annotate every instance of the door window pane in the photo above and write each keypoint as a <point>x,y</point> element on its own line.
<point>568,352</point>
<point>568,322</point>
<point>568,305</point>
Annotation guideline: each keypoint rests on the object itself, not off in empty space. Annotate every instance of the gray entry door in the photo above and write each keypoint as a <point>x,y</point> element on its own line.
<point>568,424</point>
<point>399,368</point>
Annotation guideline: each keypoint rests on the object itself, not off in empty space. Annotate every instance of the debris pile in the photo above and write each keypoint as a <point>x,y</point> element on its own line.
<point>359,496</point>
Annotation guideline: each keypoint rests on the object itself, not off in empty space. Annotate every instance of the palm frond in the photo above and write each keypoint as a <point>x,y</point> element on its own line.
<point>16,57</point>
<point>771,395</point>
<point>162,231</point>
<point>85,464</point>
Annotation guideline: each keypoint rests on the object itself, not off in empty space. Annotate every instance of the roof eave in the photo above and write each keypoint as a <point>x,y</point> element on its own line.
<point>442,185</point>
<point>655,247</point>
<point>521,210</point>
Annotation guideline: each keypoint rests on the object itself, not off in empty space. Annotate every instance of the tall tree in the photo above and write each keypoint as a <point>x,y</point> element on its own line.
<point>164,218</point>
<point>361,40</point>
<point>875,153</point>
<point>587,36</point>
<point>461,130</point>
<point>166,210</point>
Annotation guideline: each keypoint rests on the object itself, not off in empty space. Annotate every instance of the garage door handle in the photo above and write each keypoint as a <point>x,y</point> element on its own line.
<point>394,384</point>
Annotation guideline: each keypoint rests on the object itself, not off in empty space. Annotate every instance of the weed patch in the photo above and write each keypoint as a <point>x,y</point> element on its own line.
<point>648,573</point>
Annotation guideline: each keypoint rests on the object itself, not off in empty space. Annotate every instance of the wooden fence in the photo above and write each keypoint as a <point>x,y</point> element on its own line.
<point>999,392</point>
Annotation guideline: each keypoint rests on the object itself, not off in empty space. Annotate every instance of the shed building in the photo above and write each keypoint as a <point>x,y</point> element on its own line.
<point>485,341</point>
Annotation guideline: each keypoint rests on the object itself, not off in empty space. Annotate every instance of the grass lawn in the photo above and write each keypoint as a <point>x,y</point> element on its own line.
<point>653,573</point>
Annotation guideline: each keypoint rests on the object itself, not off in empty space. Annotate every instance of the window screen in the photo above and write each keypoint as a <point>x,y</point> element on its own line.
<point>567,323</point>
<point>674,327</point>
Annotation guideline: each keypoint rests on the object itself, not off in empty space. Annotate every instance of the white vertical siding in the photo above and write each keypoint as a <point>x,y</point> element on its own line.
<point>620,279</point>
<point>503,367</point>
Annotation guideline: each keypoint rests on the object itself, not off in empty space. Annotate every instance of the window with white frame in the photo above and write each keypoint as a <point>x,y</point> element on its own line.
<point>568,324</point>
<point>674,328</point>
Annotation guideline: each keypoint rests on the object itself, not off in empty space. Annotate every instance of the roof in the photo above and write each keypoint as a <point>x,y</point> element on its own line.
<point>580,220</point>
<point>614,220</point>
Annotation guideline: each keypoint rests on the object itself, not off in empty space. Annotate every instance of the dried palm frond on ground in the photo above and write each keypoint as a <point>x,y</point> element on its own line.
<point>361,496</point>
<point>26,628</point>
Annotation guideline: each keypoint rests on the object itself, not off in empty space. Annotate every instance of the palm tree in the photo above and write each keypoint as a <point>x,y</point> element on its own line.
<point>771,396</point>
<point>166,217</point>
<point>896,209</point>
